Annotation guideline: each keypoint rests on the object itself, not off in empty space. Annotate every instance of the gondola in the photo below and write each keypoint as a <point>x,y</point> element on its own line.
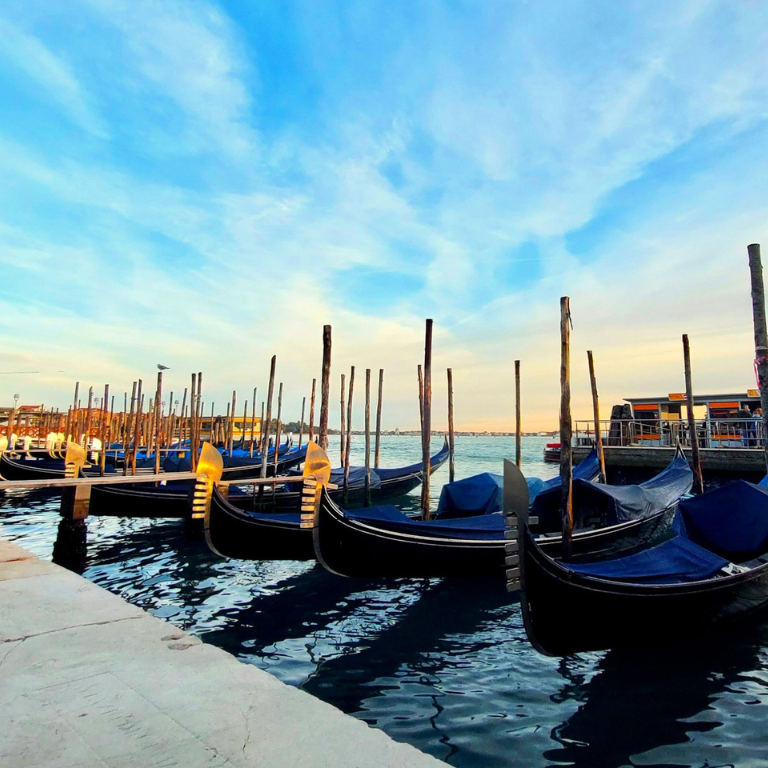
<point>172,499</point>
<point>711,573</point>
<point>384,542</point>
<point>125,496</point>
<point>248,535</point>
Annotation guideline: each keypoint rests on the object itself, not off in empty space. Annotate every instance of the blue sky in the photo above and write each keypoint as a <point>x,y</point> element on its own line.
<point>206,184</point>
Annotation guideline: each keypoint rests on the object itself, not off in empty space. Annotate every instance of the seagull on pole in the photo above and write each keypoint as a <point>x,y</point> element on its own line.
<point>162,367</point>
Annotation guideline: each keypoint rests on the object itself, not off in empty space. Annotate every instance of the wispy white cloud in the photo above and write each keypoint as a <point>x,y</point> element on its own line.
<point>51,73</point>
<point>225,242</point>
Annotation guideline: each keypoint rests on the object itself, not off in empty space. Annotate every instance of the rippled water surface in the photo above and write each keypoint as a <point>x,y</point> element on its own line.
<point>443,665</point>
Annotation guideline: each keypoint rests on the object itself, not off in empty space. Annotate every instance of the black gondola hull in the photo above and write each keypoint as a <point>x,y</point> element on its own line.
<point>351,548</point>
<point>234,533</point>
<point>568,613</point>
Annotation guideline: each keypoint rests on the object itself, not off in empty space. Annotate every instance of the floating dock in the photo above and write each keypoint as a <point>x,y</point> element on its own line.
<point>87,679</point>
<point>631,460</point>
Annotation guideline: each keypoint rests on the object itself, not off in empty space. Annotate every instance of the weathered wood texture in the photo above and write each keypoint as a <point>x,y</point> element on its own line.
<point>698,482</point>
<point>566,428</point>
<point>596,414</point>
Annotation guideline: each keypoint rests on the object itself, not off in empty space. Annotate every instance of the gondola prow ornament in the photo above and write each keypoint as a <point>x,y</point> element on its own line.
<point>515,508</point>
<point>210,468</point>
<point>317,473</point>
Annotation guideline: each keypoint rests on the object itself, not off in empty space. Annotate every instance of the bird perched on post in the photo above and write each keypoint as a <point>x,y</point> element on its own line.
<point>162,367</point>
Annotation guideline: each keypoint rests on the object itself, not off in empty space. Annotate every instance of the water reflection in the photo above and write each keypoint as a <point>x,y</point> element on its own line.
<point>70,549</point>
<point>640,701</point>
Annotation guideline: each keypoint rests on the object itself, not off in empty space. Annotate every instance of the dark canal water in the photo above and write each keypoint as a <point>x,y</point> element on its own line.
<point>443,665</point>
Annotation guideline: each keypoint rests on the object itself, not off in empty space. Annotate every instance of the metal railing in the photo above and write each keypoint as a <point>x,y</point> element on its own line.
<point>710,433</point>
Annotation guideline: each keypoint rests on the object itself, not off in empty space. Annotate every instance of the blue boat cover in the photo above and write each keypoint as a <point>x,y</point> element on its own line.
<point>589,469</point>
<point>602,505</point>
<point>387,517</point>
<point>483,494</point>
<point>673,561</point>
<point>731,520</point>
<point>478,495</point>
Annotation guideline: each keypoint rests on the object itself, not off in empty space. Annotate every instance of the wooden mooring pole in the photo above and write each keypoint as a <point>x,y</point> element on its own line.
<point>367,499</point>
<point>348,447</point>
<point>596,413</point>
<point>566,428</point>
<point>518,418</point>
<point>265,434</point>
<point>377,451</point>
<point>761,336</point>
<point>158,419</point>
<point>192,407</point>
<point>279,425</point>
<point>698,481</point>
<point>325,389</point>
<point>253,422</point>
<point>311,430</point>
<point>451,470</point>
<point>425,511</point>
<point>343,431</point>
<point>301,425</point>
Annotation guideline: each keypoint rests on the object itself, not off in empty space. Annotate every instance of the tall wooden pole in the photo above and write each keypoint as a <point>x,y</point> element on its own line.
<point>348,448</point>
<point>425,511</point>
<point>761,335</point>
<point>77,394</point>
<point>311,434</point>
<point>518,418</point>
<point>183,422</point>
<point>343,429</point>
<point>325,389</point>
<point>245,419</point>
<point>377,450</point>
<point>105,428</point>
<point>698,480</point>
<point>137,427</point>
<point>301,426</point>
<point>158,418</point>
<point>367,497</point>
<point>265,435</point>
<point>192,411</point>
<point>421,406</point>
<point>231,424</point>
<point>261,425</point>
<point>127,448</point>
<point>451,469</point>
<point>596,412</point>
<point>277,429</point>
<point>88,418</point>
<point>198,416</point>
<point>253,421</point>
<point>566,457</point>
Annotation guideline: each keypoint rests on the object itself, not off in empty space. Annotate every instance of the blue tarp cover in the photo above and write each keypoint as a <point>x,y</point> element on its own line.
<point>598,504</point>
<point>674,561</point>
<point>478,495</point>
<point>483,494</point>
<point>481,528</point>
<point>731,520</point>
